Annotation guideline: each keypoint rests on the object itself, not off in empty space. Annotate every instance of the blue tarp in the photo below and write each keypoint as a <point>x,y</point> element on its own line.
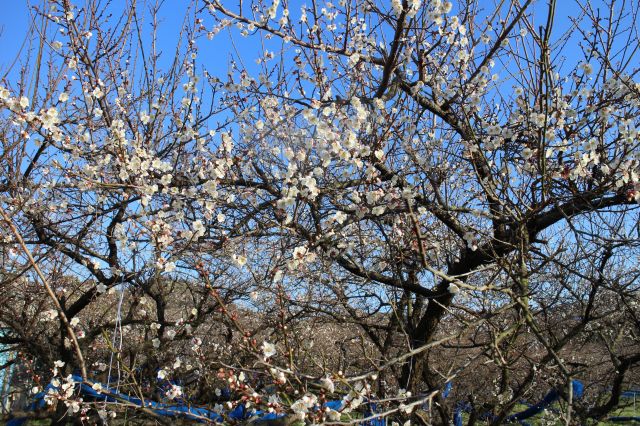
<point>626,420</point>
<point>240,412</point>
<point>370,411</point>
<point>552,396</point>
<point>447,389</point>
<point>162,409</point>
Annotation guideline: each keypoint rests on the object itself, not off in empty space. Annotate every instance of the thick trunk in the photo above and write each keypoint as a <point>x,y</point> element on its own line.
<point>423,333</point>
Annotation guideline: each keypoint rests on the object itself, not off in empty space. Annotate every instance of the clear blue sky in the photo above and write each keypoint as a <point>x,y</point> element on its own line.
<point>15,19</point>
<point>14,22</point>
<point>215,55</point>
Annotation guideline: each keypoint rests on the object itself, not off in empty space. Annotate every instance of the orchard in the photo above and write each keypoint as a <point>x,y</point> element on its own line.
<point>352,212</point>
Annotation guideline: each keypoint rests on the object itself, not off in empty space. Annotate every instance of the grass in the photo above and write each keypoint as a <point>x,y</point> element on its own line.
<point>551,419</point>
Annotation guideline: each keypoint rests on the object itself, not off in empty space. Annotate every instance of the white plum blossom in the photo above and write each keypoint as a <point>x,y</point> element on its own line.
<point>268,349</point>
<point>97,93</point>
<point>587,68</point>
<point>144,117</point>
<point>327,384</point>
<point>239,259</point>
<point>340,217</point>
<point>303,405</point>
<point>174,392</point>
<point>198,228</point>
<point>170,267</point>
<point>470,239</point>
<point>397,6</point>
<point>50,314</point>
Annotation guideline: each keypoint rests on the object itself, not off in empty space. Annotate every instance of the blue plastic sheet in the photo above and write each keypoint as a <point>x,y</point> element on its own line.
<point>625,420</point>
<point>552,396</point>
<point>240,412</point>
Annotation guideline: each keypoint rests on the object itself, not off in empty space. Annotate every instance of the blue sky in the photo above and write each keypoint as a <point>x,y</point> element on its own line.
<point>15,21</point>
<point>215,55</point>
